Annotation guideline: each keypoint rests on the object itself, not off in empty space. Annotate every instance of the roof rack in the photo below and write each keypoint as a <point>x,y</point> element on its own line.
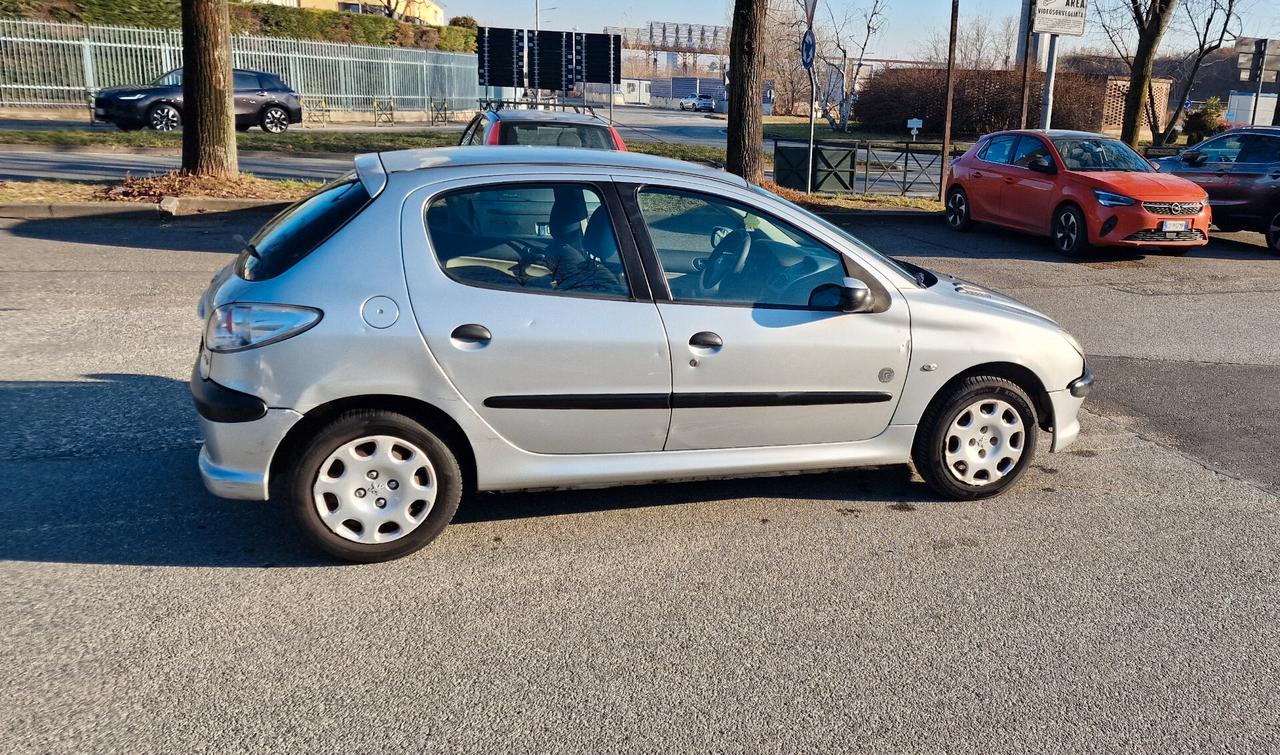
<point>488,104</point>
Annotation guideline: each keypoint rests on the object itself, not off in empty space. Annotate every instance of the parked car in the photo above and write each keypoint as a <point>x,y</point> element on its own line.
<point>1241,172</point>
<point>698,102</point>
<point>1080,189</point>
<point>261,99</point>
<point>546,128</point>
<point>501,319</point>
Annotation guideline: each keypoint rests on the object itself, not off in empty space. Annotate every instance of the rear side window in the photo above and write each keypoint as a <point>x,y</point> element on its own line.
<point>244,81</point>
<point>998,150</point>
<point>556,135</point>
<point>296,232</point>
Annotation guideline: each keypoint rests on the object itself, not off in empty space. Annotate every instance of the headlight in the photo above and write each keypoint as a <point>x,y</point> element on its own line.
<point>1108,199</point>
<point>131,96</point>
<point>1075,342</point>
<point>236,327</point>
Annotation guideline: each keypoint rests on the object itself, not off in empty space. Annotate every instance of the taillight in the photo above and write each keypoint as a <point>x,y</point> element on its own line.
<point>493,134</point>
<point>235,327</point>
<point>617,140</point>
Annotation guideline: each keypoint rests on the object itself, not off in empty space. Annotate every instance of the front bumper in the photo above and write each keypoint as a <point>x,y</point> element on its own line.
<point>1133,225</point>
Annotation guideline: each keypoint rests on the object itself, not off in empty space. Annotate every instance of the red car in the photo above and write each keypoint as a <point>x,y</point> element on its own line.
<point>547,128</point>
<point>1080,189</point>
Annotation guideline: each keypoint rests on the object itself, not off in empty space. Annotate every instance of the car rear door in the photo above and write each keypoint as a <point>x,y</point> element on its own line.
<point>1213,171</point>
<point>986,183</point>
<point>531,298</point>
<point>1255,177</point>
<point>249,97</point>
<point>755,362</point>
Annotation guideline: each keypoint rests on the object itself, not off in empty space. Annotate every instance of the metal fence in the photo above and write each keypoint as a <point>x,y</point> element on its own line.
<point>62,65</point>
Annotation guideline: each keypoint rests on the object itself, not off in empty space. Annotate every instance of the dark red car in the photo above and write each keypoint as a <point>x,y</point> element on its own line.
<point>541,128</point>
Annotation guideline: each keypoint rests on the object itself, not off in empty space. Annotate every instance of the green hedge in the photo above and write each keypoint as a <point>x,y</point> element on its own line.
<point>254,19</point>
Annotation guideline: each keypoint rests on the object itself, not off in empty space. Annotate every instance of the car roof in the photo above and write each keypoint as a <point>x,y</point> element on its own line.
<point>547,116</point>
<point>1272,130</point>
<point>1053,133</point>
<point>407,160</point>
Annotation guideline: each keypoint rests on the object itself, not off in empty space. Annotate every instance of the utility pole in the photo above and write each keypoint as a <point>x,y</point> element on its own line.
<point>1050,70</point>
<point>951,92</point>
<point>1024,57</point>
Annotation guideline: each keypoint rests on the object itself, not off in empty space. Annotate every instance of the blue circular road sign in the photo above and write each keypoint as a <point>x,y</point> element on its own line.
<point>808,46</point>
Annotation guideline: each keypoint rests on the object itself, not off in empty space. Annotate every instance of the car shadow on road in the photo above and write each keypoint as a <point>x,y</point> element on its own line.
<point>221,232</point>
<point>103,471</point>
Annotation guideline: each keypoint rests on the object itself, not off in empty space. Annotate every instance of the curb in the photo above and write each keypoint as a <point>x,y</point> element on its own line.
<point>880,214</point>
<point>100,149</point>
<point>167,207</point>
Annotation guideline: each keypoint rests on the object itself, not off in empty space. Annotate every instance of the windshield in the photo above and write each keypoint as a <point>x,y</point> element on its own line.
<point>909,272</point>
<point>170,79</point>
<point>1099,153</point>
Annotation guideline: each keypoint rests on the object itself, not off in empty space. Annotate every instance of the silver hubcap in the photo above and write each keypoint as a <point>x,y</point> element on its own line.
<point>956,209</point>
<point>164,118</point>
<point>375,489</point>
<point>984,442</point>
<point>275,120</point>
<point>1067,232</point>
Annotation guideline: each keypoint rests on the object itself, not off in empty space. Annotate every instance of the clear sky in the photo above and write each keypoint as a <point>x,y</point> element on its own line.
<point>909,21</point>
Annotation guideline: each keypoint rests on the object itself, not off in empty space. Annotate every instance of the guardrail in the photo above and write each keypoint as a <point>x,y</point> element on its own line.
<point>881,167</point>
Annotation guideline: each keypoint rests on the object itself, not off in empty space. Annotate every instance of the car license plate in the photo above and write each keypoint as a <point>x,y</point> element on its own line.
<point>1171,226</point>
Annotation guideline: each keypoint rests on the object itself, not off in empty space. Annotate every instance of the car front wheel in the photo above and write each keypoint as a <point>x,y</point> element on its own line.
<point>1070,235</point>
<point>1273,233</point>
<point>275,120</point>
<point>374,486</point>
<point>976,439</point>
<point>163,117</point>
<point>958,210</point>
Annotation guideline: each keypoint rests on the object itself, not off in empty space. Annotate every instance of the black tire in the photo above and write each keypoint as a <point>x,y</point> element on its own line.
<point>163,117</point>
<point>1272,232</point>
<point>1069,233</point>
<point>352,426</point>
<point>274,119</point>
<point>129,128</point>
<point>958,218</point>
<point>934,436</point>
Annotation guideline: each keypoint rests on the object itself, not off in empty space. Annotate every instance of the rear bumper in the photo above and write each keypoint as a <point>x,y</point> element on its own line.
<point>235,461</point>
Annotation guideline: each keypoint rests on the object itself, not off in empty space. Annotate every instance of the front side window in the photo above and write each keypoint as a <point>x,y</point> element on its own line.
<point>716,251</point>
<point>1100,154</point>
<point>1224,149</point>
<point>1029,150</point>
<point>998,150</point>
<point>556,135</point>
<point>244,81</point>
<point>539,238</point>
<point>170,79</point>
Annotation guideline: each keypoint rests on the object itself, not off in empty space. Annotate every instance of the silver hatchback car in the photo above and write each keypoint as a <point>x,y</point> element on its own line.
<point>511,318</point>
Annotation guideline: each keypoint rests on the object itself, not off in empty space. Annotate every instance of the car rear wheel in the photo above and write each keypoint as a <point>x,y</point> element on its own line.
<point>1070,236</point>
<point>976,439</point>
<point>275,120</point>
<point>1273,233</point>
<point>163,117</point>
<point>958,210</point>
<point>374,486</point>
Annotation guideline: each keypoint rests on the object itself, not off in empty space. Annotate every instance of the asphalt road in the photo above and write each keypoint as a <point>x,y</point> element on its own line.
<point>1122,598</point>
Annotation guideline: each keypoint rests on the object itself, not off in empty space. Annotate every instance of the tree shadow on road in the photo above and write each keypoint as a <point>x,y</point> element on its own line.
<point>103,471</point>
<point>221,232</point>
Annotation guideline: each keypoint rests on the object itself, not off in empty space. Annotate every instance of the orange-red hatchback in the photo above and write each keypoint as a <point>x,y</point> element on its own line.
<point>1081,189</point>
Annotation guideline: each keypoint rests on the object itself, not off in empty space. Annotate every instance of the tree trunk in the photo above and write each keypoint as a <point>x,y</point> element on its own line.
<point>744,154</point>
<point>208,111</point>
<point>1149,35</point>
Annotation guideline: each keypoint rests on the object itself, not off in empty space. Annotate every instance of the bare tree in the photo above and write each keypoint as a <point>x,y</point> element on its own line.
<point>783,30</point>
<point>843,54</point>
<point>744,154</point>
<point>980,44</point>
<point>208,131</point>
<point>1212,23</point>
<point>1150,19</point>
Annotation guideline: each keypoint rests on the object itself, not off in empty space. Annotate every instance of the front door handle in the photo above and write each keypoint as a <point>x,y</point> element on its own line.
<point>471,333</point>
<point>706,340</point>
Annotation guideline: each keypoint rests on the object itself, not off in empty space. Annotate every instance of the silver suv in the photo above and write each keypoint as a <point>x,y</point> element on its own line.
<point>511,318</point>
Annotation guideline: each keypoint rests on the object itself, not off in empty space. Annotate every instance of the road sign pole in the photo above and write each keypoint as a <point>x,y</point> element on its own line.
<point>1050,72</point>
<point>813,110</point>
<point>808,50</point>
<point>951,93</point>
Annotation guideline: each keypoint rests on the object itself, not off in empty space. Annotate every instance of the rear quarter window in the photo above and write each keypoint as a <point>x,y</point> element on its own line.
<point>300,229</point>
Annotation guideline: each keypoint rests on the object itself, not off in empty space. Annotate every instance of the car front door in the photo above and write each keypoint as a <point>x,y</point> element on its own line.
<point>757,359</point>
<point>987,183</point>
<point>249,97</point>
<point>1255,178</point>
<point>1209,164</point>
<point>538,312</point>
<point>1029,195</point>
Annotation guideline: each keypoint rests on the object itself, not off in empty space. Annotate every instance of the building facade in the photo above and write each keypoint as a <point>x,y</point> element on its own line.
<point>413,11</point>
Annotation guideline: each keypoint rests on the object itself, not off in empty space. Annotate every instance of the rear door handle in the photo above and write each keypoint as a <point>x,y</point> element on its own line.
<point>1008,179</point>
<point>471,333</point>
<point>706,340</point>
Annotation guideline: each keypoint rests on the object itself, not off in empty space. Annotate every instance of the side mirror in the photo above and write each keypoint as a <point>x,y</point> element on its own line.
<point>1043,164</point>
<point>851,297</point>
<point>1154,165</point>
<point>1192,157</point>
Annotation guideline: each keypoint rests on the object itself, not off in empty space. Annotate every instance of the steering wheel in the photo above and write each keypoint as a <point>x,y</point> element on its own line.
<point>730,255</point>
